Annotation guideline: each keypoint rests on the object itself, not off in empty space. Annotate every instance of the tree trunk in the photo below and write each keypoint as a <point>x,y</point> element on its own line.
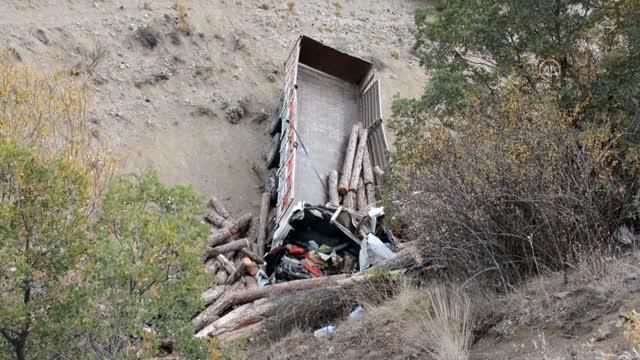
<point>263,222</point>
<point>357,163</point>
<point>20,348</point>
<point>347,166</point>
<point>239,318</point>
<point>235,245</point>
<point>218,206</point>
<point>367,170</point>
<point>334,196</point>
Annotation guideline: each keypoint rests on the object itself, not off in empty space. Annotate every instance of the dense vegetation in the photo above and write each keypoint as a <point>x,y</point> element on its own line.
<point>522,154</point>
<point>91,265</point>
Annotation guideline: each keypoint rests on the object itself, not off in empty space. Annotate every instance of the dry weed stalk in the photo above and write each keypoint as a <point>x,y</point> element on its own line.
<point>438,321</point>
<point>49,112</point>
<point>182,24</point>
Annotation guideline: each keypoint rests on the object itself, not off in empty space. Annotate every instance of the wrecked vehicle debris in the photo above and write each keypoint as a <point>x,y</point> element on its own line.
<point>320,221</point>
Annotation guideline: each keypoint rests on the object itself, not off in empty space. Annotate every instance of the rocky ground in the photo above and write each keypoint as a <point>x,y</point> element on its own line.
<point>185,86</point>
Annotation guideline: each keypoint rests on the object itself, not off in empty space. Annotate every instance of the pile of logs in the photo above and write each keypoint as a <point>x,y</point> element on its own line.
<point>355,188</point>
<point>238,311</point>
<point>237,306</point>
<point>235,250</point>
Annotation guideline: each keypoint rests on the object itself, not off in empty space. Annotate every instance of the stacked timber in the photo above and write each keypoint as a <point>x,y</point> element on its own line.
<point>356,189</point>
<point>238,310</point>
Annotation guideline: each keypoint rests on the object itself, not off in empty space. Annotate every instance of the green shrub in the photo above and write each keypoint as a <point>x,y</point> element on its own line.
<point>43,239</point>
<point>145,270</point>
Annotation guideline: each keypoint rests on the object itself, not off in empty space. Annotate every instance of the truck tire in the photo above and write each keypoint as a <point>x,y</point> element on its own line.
<point>273,154</point>
<point>271,185</point>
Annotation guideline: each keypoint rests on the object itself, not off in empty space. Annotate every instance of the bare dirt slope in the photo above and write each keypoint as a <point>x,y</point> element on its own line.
<point>164,98</point>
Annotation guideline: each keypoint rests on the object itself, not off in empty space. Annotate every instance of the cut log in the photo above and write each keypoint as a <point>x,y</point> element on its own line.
<point>222,276</point>
<point>225,233</point>
<point>251,255</point>
<point>226,264</point>
<point>249,282</point>
<point>210,295</point>
<point>371,194</point>
<point>216,219</point>
<point>235,245</point>
<point>239,318</point>
<point>236,275</point>
<point>263,222</point>
<point>211,266</point>
<point>361,197</point>
<point>367,170</point>
<point>206,317</point>
<point>347,166</point>
<point>357,163</point>
<point>334,196</point>
<point>349,200</point>
<point>407,257</point>
<point>252,234</point>
<point>219,207</point>
<point>231,298</point>
<point>250,331</point>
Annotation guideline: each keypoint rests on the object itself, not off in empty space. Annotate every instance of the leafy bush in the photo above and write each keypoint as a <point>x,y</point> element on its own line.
<point>84,273</point>
<point>42,242</point>
<point>501,168</point>
<point>145,271</point>
<point>514,190</point>
<point>49,112</point>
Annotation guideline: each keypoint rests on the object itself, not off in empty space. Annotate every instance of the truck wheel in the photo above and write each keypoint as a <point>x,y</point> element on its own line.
<point>273,154</point>
<point>271,185</point>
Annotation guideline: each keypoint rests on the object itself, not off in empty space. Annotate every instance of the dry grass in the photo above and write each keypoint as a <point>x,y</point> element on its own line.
<point>181,11</point>
<point>50,112</point>
<point>437,321</point>
<point>433,322</point>
<point>291,7</point>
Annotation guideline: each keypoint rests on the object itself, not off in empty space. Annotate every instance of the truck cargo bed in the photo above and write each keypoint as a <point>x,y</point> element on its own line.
<point>330,107</point>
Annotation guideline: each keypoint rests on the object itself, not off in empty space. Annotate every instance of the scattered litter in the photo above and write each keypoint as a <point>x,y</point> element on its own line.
<point>324,331</point>
<point>356,313</point>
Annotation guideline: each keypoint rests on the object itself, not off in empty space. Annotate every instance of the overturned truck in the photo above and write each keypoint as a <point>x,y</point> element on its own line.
<point>320,222</point>
<point>331,144</point>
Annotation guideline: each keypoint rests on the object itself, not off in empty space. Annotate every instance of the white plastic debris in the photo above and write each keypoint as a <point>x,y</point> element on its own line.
<point>356,313</point>
<point>324,331</point>
<point>372,251</point>
<point>374,213</point>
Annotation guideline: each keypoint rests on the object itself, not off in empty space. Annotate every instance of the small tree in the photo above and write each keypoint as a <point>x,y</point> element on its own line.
<point>42,240</point>
<point>146,273</point>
